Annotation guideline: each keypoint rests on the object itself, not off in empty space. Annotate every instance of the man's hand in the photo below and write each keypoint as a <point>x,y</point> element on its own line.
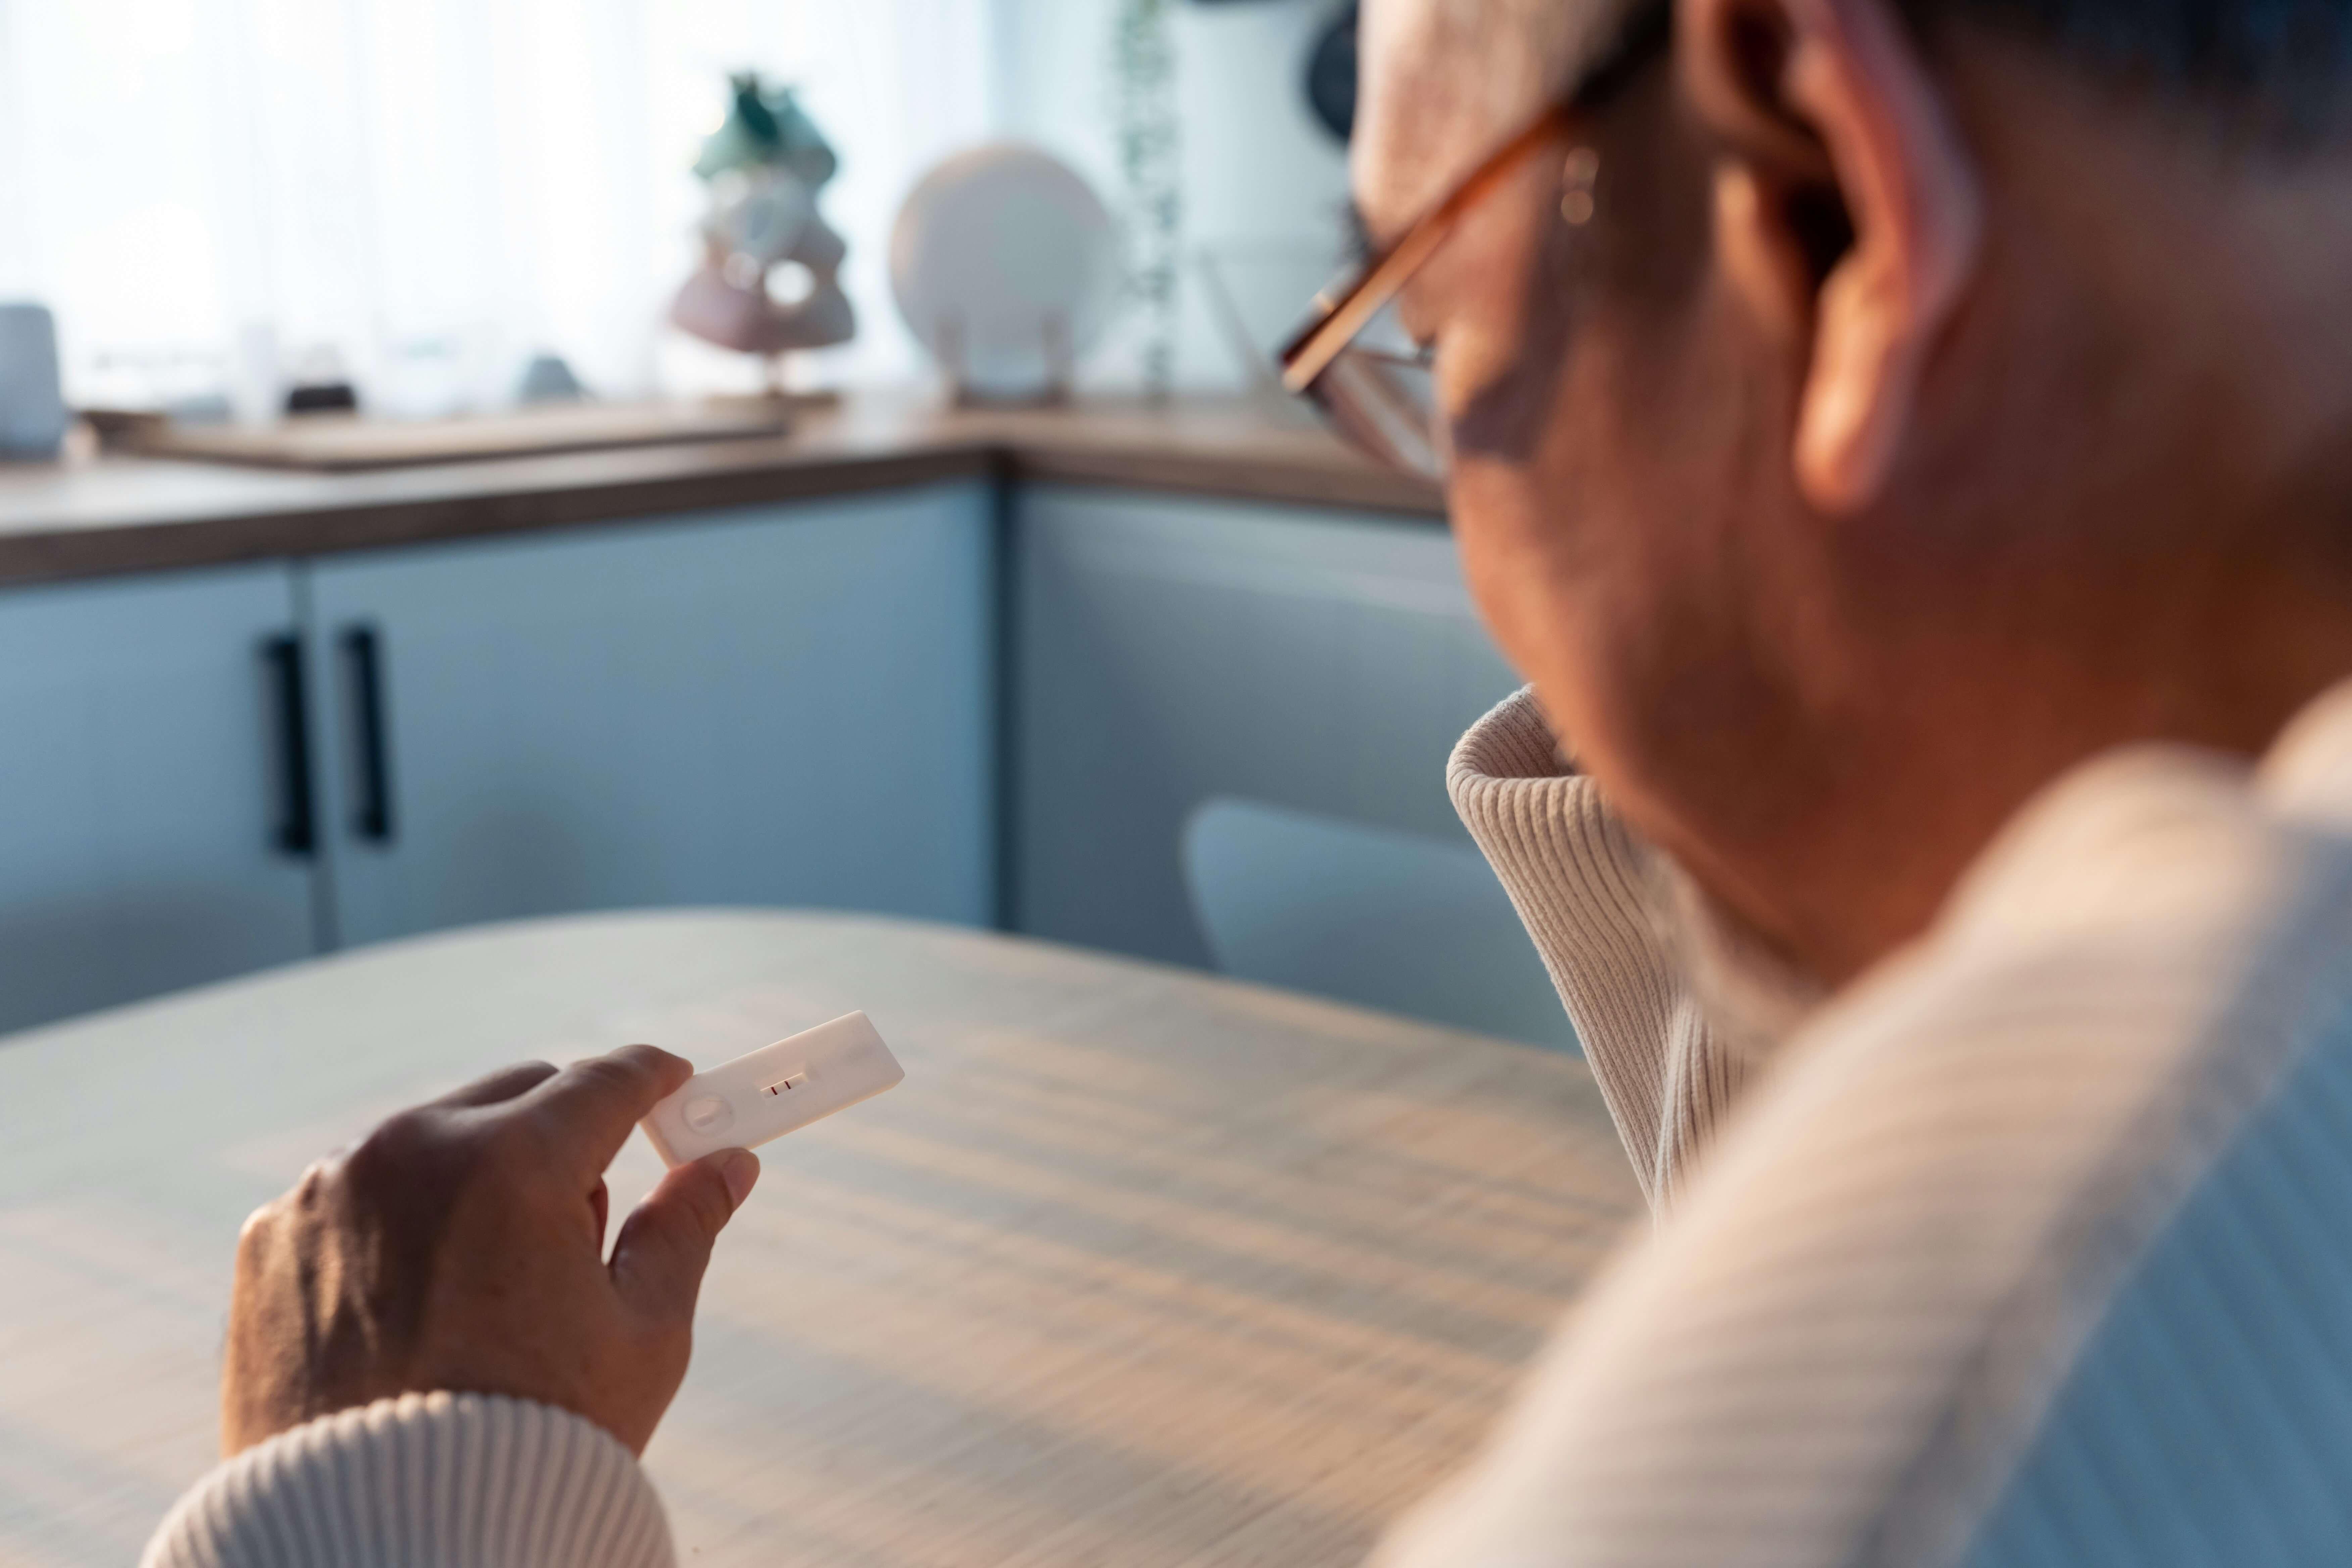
<point>460,1247</point>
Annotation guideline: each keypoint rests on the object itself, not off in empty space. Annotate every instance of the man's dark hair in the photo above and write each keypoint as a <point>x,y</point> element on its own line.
<point>2277,65</point>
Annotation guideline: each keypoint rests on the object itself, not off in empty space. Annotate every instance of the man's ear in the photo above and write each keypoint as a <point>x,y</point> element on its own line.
<point>1848,213</point>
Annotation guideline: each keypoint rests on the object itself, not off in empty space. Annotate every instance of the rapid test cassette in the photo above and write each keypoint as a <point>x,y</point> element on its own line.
<point>774,1090</point>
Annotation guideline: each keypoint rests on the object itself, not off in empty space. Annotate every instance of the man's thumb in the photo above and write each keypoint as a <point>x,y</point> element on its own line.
<point>658,1259</point>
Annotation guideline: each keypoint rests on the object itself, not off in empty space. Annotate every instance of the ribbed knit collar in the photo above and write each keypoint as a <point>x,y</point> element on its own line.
<point>1513,765</point>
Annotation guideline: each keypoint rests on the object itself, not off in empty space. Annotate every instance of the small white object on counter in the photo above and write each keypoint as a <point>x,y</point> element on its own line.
<point>774,1091</point>
<point>1005,265</point>
<point>33,416</point>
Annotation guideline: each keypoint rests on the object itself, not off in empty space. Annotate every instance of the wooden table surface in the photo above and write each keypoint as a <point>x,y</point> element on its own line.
<point>1137,1266</point>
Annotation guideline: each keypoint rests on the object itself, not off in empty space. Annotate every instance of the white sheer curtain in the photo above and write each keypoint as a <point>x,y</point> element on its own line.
<point>431,190</point>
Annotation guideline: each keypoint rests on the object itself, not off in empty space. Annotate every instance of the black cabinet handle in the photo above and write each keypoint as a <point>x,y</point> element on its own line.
<point>298,832</point>
<point>363,652</point>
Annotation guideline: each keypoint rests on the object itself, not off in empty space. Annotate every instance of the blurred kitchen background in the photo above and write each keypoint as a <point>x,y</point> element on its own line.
<point>427,192</point>
<point>301,648</point>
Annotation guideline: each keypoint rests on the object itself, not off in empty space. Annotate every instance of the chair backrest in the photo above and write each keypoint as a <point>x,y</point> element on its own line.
<point>1386,919</point>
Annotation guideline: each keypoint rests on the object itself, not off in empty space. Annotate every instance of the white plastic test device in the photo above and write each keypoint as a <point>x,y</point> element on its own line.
<point>774,1091</point>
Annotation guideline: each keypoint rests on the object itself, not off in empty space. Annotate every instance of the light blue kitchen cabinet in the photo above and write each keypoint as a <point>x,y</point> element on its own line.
<point>151,831</point>
<point>1266,695</point>
<point>787,704</point>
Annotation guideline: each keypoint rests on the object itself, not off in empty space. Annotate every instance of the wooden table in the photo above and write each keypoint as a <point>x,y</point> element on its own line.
<point>1137,1266</point>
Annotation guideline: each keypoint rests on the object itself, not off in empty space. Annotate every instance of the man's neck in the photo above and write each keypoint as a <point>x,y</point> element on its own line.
<point>1863,871</point>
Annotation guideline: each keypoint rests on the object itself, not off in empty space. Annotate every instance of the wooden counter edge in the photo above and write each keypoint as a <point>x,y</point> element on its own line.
<point>49,554</point>
<point>114,550</point>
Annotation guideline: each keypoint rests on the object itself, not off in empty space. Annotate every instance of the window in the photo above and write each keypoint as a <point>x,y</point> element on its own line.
<point>427,191</point>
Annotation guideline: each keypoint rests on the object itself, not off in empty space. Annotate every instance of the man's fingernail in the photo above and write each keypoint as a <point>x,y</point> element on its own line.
<point>739,1168</point>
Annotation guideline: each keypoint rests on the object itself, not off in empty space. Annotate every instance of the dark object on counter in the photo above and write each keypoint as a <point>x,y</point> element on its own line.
<point>324,397</point>
<point>124,429</point>
<point>549,379</point>
<point>1331,74</point>
<point>33,416</point>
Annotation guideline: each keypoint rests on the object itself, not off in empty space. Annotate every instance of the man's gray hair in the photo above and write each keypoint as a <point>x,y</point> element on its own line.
<point>1475,68</point>
<point>2281,64</point>
<point>1447,79</point>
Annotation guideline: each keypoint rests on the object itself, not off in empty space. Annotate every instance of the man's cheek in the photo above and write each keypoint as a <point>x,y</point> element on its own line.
<point>1509,535</point>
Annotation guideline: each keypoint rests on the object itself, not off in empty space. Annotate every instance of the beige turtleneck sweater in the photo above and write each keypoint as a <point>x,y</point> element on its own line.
<point>2030,1247</point>
<point>1673,1009</point>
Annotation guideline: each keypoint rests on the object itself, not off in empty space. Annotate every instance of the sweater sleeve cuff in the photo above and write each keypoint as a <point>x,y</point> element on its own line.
<point>460,1480</point>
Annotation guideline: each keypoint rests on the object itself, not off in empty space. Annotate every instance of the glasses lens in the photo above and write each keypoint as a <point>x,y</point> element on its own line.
<point>1386,405</point>
<point>1380,394</point>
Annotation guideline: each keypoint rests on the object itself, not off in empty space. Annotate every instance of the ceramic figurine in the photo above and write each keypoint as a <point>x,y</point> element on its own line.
<point>763,168</point>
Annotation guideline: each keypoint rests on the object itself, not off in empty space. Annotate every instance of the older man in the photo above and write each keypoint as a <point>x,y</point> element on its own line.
<point>1908,447</point>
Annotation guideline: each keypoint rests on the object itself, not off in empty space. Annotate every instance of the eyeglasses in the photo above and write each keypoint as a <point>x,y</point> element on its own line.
<point>1354,359</point>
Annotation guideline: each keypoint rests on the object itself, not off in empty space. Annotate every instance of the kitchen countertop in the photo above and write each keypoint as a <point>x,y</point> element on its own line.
<point>116,514</point>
